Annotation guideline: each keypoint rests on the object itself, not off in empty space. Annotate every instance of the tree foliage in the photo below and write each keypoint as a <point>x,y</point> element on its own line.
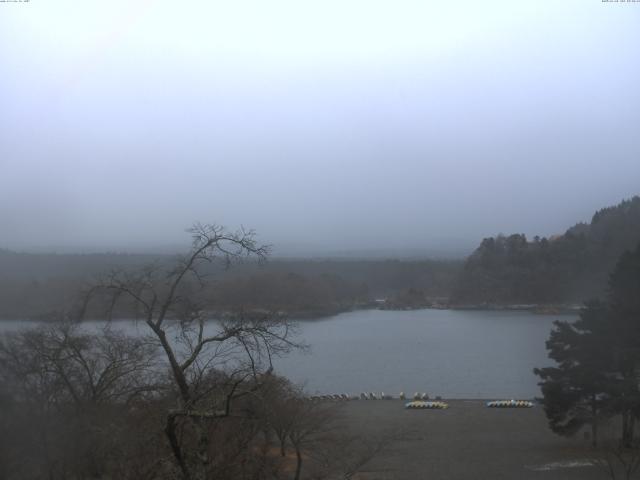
<point>566,268</point>
<point>576,391</point>
<point>598,359</point>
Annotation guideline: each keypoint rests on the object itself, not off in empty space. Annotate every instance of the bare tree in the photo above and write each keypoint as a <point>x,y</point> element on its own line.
<point>278,404</point>
<point>310,422</point>
<point>67,394</point>
<point>211,364</point>
<point>617,460</point>
<point>60,363</point>
<point>342,455</point>
<point>324,443</point>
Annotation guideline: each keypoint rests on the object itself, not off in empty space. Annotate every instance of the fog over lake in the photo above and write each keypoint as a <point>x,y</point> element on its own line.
<point>452,353</point>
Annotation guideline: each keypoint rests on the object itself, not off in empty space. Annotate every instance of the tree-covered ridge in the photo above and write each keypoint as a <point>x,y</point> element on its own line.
<point>565,268</point>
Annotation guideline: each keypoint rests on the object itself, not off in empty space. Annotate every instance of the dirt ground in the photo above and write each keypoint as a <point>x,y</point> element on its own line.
<point>468,441</point>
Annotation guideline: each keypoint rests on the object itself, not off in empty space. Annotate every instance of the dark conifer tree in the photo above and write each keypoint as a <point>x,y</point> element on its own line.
<point>598,357</point>
<point>624,323</point>
<point>575,393</point>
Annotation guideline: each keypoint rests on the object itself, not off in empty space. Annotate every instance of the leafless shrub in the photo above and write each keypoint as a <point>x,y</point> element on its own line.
<point>68,397</point>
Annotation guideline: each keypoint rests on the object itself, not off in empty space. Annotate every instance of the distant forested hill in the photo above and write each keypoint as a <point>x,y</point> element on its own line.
<point>32,285</point>
<point>567,268</point>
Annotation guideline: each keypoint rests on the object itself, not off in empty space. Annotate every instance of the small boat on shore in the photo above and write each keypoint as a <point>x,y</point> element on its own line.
<point>419,404</point>
<point>510,404</point>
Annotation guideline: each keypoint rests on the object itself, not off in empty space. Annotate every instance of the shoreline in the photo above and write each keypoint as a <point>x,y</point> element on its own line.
<point>437,398</point>
<point>310,315</point>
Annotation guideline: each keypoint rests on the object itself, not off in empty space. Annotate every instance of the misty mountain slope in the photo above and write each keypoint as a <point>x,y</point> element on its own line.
<point>568,268</point>
<point>32,285</point>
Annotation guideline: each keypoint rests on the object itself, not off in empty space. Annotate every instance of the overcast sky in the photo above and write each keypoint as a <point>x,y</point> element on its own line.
<point>327,125</point>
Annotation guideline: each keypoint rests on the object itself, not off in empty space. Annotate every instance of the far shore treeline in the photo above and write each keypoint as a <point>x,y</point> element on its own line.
<point>505,270</point>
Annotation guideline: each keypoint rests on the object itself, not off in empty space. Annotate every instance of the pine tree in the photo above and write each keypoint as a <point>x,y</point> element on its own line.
<point>576,392</point>
<point>598,359</point>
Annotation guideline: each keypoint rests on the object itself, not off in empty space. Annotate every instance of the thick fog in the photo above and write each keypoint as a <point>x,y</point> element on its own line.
<point>327,126</point>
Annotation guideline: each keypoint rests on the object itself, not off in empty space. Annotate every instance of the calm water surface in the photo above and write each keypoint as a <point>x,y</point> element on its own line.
<point>455,354</point>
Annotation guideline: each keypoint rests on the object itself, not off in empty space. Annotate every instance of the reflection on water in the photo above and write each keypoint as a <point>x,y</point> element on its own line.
<point>455,354</point>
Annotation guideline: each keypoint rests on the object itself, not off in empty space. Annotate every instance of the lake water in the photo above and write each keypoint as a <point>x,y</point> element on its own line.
<point>452,353</point>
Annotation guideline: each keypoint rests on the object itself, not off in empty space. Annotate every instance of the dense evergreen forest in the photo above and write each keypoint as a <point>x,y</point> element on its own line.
<point>563,269</point>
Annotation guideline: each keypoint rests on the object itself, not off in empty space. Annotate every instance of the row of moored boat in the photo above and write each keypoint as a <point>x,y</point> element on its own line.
<point>510,404</point>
